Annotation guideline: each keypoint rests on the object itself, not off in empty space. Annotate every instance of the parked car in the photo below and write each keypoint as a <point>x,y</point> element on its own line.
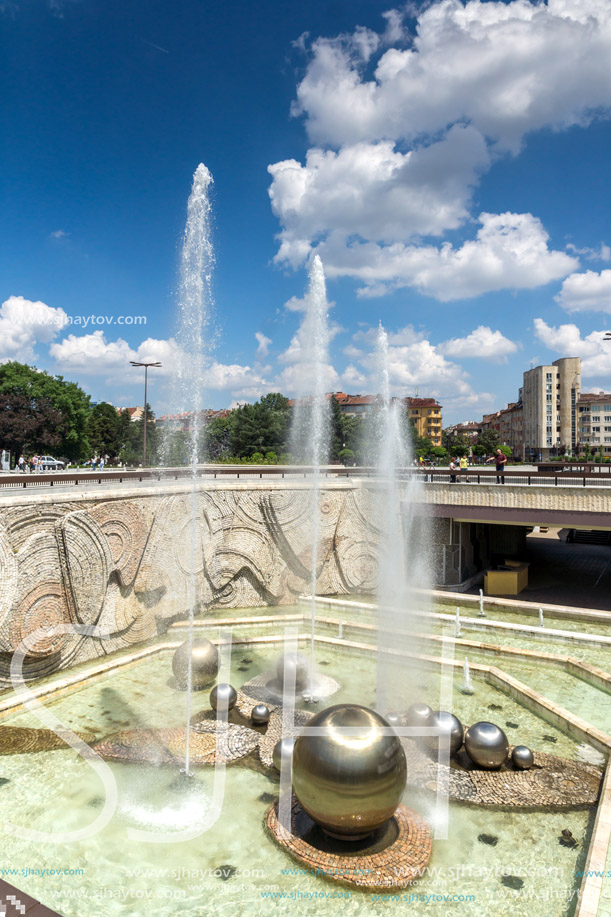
<point>48,463</point>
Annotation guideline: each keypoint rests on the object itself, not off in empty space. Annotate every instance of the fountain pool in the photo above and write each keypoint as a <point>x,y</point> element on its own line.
<point>235,864</point>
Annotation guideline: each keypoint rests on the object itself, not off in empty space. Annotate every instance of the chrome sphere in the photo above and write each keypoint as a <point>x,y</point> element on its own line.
<point>260,714</point>
<point>393,719</point>
<point>294,664</point>
<point>283,751</point>
<point>487,745</point>
<point>449,725</point>
<point>522,758</point>
<point>205,664</point>
<point>418,714</point>
<point>222,696</point>
<point>350,785</point>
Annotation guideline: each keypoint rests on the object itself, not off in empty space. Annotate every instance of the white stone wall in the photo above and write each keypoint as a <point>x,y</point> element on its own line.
<point>122,561</point>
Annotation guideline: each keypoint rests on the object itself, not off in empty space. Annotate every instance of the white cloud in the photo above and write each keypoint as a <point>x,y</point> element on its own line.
<point>23,324</point>
<point>505,68</point>
<point>588,291</point>
<point>416,366</point>
<point>263,344</point>
<point>353,380</point>
<point>297,379</point>
<point>92,355</point>
<point>401,135</point>
<point>295,304</point>
<point>483,343</point>
<point>372,191</point>
<point>59,234</point>
<point>567,341</point>
<point>603,253</point>
<point>510,251</point>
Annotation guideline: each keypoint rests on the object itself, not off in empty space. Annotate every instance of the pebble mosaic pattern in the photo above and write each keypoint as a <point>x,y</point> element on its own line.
<point>209,743</point>
<point>398,865</point>
<point>553,781</point>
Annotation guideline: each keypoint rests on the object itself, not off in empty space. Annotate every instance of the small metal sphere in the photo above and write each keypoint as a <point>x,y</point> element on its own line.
<point>522,758</point>
<point>205,664</point>
<point>418,714</point>
<point>350,785</point>
<point>222,696</point>
<point>449,725</point>
<point>487,745</point>
<point>283,751</point>
<point>294,664</point>
<point>393,719</point>
<point>260,714</point>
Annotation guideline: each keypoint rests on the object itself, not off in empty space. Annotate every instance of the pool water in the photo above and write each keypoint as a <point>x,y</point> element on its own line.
<point>234,867</point>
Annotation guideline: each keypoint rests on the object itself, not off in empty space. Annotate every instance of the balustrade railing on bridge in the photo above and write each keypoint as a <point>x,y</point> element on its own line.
<point>547,475</point>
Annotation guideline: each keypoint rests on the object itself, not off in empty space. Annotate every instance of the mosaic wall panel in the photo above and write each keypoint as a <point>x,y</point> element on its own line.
<point>130,566</point>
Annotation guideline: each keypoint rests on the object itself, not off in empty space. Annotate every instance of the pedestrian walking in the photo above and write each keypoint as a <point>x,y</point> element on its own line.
<point>500,459</point>
<point>34,464</point>
<point>21,464</point>
<point>102,462</point>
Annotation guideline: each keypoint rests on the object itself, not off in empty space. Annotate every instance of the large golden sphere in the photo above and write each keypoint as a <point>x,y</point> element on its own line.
<point>204,667</point>
<point>349,784</point>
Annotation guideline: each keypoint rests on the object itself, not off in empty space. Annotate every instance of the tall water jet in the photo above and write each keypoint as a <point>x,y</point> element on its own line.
<point>310,427</point>
<point>195,302</point>
<point>403,562</point>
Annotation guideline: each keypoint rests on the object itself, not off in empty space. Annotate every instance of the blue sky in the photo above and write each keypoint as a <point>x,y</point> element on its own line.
<point>447,160</point>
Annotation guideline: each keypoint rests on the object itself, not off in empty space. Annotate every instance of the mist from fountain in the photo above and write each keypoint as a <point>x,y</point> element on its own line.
<point>310,426</point>
<point>403,567</point>
<point>195,304</point>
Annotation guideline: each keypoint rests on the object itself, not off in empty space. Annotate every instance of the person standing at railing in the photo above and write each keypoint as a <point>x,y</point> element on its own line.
<point>500,460</point>
<point>454,467</point>
<point>464,467</point>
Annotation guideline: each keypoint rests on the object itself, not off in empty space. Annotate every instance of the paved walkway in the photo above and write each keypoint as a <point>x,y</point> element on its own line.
<point>567,574</point>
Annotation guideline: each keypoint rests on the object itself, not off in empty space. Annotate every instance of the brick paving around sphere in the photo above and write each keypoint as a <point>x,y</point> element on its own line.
<point>398,865</point>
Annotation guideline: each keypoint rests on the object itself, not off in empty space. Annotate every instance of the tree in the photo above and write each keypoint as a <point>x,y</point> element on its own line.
<point>352,436</point>
<point>439,452</point>
<point>133,439</point>
<point>456,445</point>
<point>424,446</point>
<point>261,427</point>
<point>489,439</point>
<point>336,431</point>
<point>103,430</point>
<point>40,412</point>
<point>216,437</point>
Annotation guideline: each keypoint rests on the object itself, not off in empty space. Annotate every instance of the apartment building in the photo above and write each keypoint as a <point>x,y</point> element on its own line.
<point>426,415</point>
<point>550,396</point>
<point>424,412</point>
<point>594,423</point>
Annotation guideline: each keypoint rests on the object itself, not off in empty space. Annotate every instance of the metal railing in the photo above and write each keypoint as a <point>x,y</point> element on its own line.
<point>588,477</point>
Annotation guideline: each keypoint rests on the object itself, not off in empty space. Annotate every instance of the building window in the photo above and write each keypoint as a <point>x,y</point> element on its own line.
<point>548,377</point>
<point>595,419</point>
<point>595,429</point>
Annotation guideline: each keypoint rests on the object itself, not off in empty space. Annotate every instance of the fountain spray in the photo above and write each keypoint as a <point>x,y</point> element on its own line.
<point>195,303</point>
<point>310,430</point>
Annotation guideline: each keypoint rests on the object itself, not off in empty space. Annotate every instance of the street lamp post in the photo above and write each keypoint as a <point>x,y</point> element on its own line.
<point>146,368</point>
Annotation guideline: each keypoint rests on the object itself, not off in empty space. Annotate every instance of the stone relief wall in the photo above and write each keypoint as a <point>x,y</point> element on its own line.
<point>124,564</point>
